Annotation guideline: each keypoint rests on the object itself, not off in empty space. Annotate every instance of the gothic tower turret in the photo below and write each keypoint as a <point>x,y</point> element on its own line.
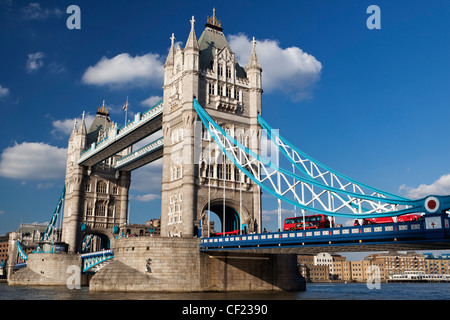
<point>96,198</point>
<point>196,181</point>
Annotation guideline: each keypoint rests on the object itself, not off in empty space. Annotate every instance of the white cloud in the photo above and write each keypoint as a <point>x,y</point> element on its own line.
<point>439,187</point>
<point>146,197</point>
<point>150,102</point>
<point>34,61</point>
<point>65,127</point>
<point>34,11</point>
<point>124,69</point>
<point>290,70</point>
<point>3,91</point>
<point>33,161</point>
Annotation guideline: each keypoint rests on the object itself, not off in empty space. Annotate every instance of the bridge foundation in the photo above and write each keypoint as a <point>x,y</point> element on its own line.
<point>48,269</point>
<point>176,265</point>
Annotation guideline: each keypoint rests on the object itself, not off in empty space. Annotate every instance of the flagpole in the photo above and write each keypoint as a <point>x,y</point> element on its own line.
<point>126,111</point>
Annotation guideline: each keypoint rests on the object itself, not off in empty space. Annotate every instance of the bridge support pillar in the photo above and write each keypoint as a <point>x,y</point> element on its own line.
<point>251,272</point>
<point>171,264</point>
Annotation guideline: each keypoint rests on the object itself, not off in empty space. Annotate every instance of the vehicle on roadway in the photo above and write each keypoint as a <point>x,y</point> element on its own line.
<point>404,218</point>
<point>317,221</point>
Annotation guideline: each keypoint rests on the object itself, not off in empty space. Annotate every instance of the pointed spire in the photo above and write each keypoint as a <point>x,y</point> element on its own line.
<point>74,129</point>
<point>254,62</point>
<point>171,55</point>
<point>82,129</point>
<point>192,40</point>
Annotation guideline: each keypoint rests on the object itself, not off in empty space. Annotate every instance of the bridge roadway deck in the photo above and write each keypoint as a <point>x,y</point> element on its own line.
<point>377,237</point>
<point>142,127</point>
<point>141,157</point>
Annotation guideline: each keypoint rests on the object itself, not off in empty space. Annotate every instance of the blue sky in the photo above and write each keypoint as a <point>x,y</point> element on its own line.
<point>372,104</point>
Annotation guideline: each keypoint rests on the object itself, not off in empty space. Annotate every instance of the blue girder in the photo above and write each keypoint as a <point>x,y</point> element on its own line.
<point>414,205</point>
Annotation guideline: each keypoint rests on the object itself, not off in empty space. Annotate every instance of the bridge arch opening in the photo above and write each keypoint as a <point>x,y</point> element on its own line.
<point>93,241</point>
<point>226,218</point>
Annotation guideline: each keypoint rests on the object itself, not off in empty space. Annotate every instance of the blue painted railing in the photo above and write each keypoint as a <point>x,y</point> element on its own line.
<point>92,259</point>
<point>416,231</point>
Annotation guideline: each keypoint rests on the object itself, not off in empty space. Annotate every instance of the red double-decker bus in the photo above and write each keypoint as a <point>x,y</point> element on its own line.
<point>318,221</point>
<point>406,217</point>
<point>228,233</point>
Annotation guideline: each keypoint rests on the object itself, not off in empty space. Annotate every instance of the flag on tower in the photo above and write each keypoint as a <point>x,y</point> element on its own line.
<point>125,107</point>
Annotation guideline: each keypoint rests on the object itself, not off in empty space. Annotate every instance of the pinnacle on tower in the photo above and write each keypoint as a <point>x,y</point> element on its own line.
<point>171,55</point>
<point>74,129</point>
<point>82,129</point>
<point>192,40</point>
<point>254,62</point>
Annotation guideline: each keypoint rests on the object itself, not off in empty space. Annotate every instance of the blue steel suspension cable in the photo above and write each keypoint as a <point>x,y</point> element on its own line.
<point>273,133</point>
<point>206,119</point>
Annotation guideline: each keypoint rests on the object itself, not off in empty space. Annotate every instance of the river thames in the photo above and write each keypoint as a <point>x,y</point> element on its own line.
<point>314,291</point>
<point>353,299</point>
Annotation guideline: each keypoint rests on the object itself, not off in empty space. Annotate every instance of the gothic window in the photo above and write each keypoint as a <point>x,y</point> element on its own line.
<point>101,187</point>
<point>209,171</point>
<point>220,90</point>
<point>177,136</point>
<point>228,171</point>
<point>229,92</point>
<point>228,72</point>
<point>220,70</point>
<point>100,210</point>
<point>89,211</point>
<point>211,88</point>
<point>175,173</point>
<point>115,190</point>
<point>87,187</point>
<point>111,211</point>
<point>220,171</point>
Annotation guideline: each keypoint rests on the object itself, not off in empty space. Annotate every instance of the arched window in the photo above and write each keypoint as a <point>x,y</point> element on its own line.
<point>100,210</point>
<point>101,187</point>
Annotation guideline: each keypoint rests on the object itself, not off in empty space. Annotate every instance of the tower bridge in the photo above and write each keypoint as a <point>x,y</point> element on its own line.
<point>211,120</point>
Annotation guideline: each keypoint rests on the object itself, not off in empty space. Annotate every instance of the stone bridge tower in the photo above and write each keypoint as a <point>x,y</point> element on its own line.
<point>96,198</point>
<point>196,182</point>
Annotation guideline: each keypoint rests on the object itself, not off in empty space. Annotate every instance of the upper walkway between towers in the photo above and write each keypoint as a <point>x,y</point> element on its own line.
<point>118,139</point>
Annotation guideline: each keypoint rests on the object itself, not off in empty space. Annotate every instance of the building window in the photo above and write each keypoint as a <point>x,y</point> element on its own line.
<point>228,171</point>
<point>89,210</point>
<point>220,171</point>
<point>211,88</point>
<point>210,171</point>
<point>220,70</point>
<point>101,187</point>
<point>87,187</point>
<point>228,72</point>
<point>100,210</point>
<point>111,211</point>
